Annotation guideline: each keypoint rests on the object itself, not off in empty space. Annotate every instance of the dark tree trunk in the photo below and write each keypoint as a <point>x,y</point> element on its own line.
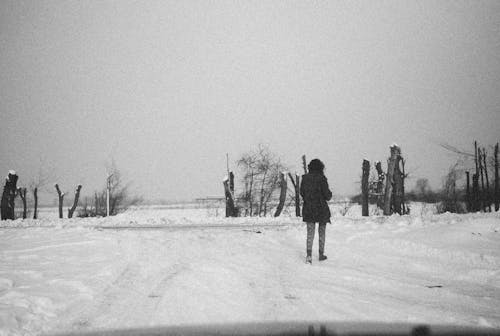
<point>283,190</point>
<point>481,171</point>
<point>487,191</point>
<point>380,184</point>
<point>395,151</point>
<point>296,187</point>
<point>61,199</point>
<point>22,194</point>
<point>75,201</point>
<point>230,209</point>
<point>403,178</point>
<point>35,197</point>
<point>397,197</point>
<point>8,196</point>
<point>497,190</point>
<point>467,192</point>
<point>364,187</point>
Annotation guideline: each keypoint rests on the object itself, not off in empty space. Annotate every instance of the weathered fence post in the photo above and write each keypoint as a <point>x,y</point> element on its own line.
<point>467,192</point>
<point>8,196</point>
<point>397,197</point>
<point>283,186</point>
<point>230,209</point>
<point>296,187</point>
<point>61,199</point>
<point>35,197</point>
<point>304,163</point>
<point>497,191</point>
<point>75,201</point>
<point>22,194</point>
<point>364,187</point>
<point>487,193</point>
<point>481,171</point>
<point>380,184</point>
<point>395,151</point>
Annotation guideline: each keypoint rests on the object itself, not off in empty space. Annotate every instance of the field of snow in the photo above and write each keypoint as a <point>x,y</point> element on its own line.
<point>160,266</point>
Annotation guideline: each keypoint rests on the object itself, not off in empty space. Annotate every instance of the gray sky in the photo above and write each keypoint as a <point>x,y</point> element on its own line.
<point>168,88</point>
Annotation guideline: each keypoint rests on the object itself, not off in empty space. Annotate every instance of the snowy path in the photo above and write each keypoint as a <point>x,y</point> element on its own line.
<point>441,270</point>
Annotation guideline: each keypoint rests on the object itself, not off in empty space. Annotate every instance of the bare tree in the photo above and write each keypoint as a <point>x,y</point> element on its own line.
<point>119,196</point>
<point>22,194</point>
<point>261,177</point>
<point>75,201</point>
<point>37,183</point>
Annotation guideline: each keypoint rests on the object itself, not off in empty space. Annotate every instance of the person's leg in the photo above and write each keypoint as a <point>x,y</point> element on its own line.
<point>310,239</point>
<point>322,237</point>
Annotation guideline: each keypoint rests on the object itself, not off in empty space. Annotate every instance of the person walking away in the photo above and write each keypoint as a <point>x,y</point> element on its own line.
<point>315,192</point>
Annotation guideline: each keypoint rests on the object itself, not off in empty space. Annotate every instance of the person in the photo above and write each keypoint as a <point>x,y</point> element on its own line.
<point>315,192</point>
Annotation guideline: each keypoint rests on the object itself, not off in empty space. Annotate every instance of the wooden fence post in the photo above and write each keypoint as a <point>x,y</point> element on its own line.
<point>497,191</point>
<point>304,164</point>
<point>296,187</point>
<point>390,180</point>
<point>35,207</point>
<point>61,199</point>
<point>467,192</point>
<point>283,186</point>
<point>380,184</point>
<point>397,197</point>
<point>230,209</point>
<point>364,187</point>
<point>481,171</point>
<point>75,201</point>
<point>487,197</point>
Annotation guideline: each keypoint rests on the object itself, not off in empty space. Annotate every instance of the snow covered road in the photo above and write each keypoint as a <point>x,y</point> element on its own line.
<point>440,269</point>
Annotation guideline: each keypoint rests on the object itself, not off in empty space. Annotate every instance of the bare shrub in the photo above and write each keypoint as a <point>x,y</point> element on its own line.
<point>261,177</point>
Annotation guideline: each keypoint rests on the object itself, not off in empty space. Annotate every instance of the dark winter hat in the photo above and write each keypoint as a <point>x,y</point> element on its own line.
<point>316,166</point>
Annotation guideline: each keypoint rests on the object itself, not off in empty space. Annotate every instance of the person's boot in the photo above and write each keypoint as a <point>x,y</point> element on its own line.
<point>309,257</point>
<point>322,256</point>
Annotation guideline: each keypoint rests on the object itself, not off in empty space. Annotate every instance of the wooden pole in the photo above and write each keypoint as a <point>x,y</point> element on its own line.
<point>497,190</point>
<point>380,184</point>
<point>467,192</point>
<point>35,197</point>
<point>296,187</point>
<point>230,210</point>
<point>61,199</point>
<point>283,186</point>
<point>390,180</point>
<point>397,197</point>
<point>487,191</point>
<point>75,201</point>
<point>364,187</point>
<point>481,171</point>
<point>304,163</point>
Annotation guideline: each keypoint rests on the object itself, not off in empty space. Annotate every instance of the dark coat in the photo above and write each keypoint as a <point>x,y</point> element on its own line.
<point>315,193</point>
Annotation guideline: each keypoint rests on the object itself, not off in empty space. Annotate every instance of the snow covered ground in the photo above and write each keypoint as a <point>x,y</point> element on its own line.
<point>163,267</point>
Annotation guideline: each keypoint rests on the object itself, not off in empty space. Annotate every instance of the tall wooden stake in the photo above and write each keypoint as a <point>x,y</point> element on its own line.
<point>497,190</point>
<point>364,187</point>
<point>467,192</point>
<point>304,163</point>
<point>35,197</point>
<point>380,184</point>
<point>61,200</point>
<point>487,192</point>
<point>481,172</point>
<point>390,180</point>
<point>296,187</point>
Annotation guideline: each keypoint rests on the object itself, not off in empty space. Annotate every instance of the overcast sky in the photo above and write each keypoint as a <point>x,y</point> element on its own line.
<point>168,88</point>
